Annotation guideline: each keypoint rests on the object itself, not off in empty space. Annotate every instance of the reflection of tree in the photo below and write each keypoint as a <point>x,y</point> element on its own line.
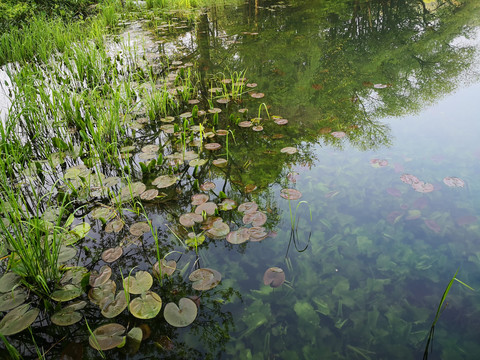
<point>317,63</point>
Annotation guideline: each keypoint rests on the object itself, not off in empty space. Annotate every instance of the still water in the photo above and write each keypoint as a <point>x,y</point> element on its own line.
<point>381,99</point>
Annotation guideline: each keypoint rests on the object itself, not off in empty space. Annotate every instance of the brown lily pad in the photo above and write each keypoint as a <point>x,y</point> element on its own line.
<point>274,277</point>
<point>139,228</point>
<point>453,182</point>
<point>248,207</point>
<point>165,267</point>
<point>238,236</point>
<point>290,194</point>
<point>205,279</point>
<point>256,218</point>
<point>208,207</point>
<point>213,146</point>
<point>107,337</point>
<point>190,219</point>
<point>199,199</point>
<point>112,254</point>
<point>207,186</point>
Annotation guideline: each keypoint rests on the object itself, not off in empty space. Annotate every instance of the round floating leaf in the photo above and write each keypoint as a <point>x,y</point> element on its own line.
<point>147,306</point>
<point>102,212</point>
<point>107,337</point>
<point>193,101</point>
<point>250,188</point>
<point>147,156</point>
<point>242,111</point>
<point>227,204</point>
<point>256,218</point>
<point>112,307</point>
<point>189,219</point>
<point>257,95</point>
<point>239,236</point>
<point>205,279</point>
<point>18,319</point>
<point>212,146</point>
<point>67,293</point>
<point>214,111</point>
<point>219,230</point>
<point>220,162</point>
<point>338,134</point>
<point>81,230</point>
<point>199,199</point>
<point>453,182</point>
<point>409,179</point>
<point>139,228</point>
<point>280,122</point>
<point>164,181</point>
<point>207,186</point>
<point>68,315</point>
<point>274,277</point>
<point>289,150</point>
<point>12,299</point>
<point>223,101</point>
<point>197,162</point>
<point>194,240</point>
<point>149,194</point>
<point>164,267</point>
<point>257,233</point>
<point>376,163</point>
<point>141,282</point>
<point>182,315</point>
<point>134,339</point>
<point>248,207</point>
<point>290,194</point>
<point>251,85</point>
<point>99,293</point>
<point>135,189</point>
<point>9,281</point>
<point>215,89</point>
<point>221,132</point>
<point>423,187</point>
<point>186,115</point>
<point>114,226</point>
<point>112,254</point>
<point>100,278</point>
<point>66,253</point>
<point>245,124</point>
<point>208,207</point>
<point>258,128</point>
<point>150,148</point>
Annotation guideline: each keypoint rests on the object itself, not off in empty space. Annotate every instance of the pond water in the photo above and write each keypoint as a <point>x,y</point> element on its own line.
<point>381,100</point>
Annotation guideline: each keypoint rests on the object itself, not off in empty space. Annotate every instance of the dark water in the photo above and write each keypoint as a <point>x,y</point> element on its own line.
<point>366,273</point>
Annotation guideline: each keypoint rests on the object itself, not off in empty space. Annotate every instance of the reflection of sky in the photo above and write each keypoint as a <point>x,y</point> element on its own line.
<point>4,101</point>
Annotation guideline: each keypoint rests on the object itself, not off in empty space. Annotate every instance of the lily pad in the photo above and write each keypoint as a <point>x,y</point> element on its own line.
<point>423,187</point>
<point>9,281</point>
<point>227,204</point>
<point>100,278</point>
<point>453,182</point>
<point>338,134</point>
<point>289,150</point>
<point>18,320</point>
<point>199,199</point>
<point>194,240</point>
<point>114,226</point>
<point>213,146</point>
<point>141,282</point>
<point>81,230</point>
<point>112,254</point>
<point>208,207</point>
<point>182,315</point>
<point>149,194</point>
<point>150,148</point>
<point>214,111</point>
<point>107,337</point>
<point>102,212</point>
<point>164,181</point>
<point>112,307</point>
<point>68,315</point>
<point>256,218</point>
<point>257,95</point>
<point>409,179</point>
<point>238,236</point>
<point>99,293</point>
<point>248,207</point>
<point>135,189</point>
<point>207,186</point>
<point>12,299</point>
<point>66,293</point>
<point>164,267</point>
<point>205,279</point>
<point>258,128</point>
<point>219,230</point>
<point>290,194</point>
<point>258,233</point>
<point>147,306</point>
<point>66,253</point>
<point>197,162</point>
<point>281,122</point>
<point>220,162</point>
<point>274,277</point>
<point>139,228</point>
<point>189,219</point>
<point>245,124</point>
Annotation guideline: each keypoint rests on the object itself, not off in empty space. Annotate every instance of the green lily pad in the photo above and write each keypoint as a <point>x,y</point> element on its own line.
<point>74,276</point>
<point>66,253</point>
<point>134,339</point>
<point>12,299</point>
<point>66,293</point>
<point>114,226</point>
<point>205,279</point>
<point>164,181</point>
<point>164,267</point>
<point>135,189</point>
<point>81,230</point>
<point>197,162</point>
<point>112,254</point>
<point>150,148</point>
<point>189,219</point>
<point>9,281</point>
<point>68,315</point>
<point>18,320</point>
<point>147,306</point>
<point>139,228</point>
<point>208,207</point>
<point>227,204</point>
<point>274,277</point>
<point>112,307</point>
<point>102,212</point>
<point>194,240</point>
<point>100,278</point>
<point>98,293</point>
<point>182,315</point>
<point>239,236</point>
<point>141,282</point>
<point>107,337</point>
<point>219,230</point>
<point>149,194</point>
